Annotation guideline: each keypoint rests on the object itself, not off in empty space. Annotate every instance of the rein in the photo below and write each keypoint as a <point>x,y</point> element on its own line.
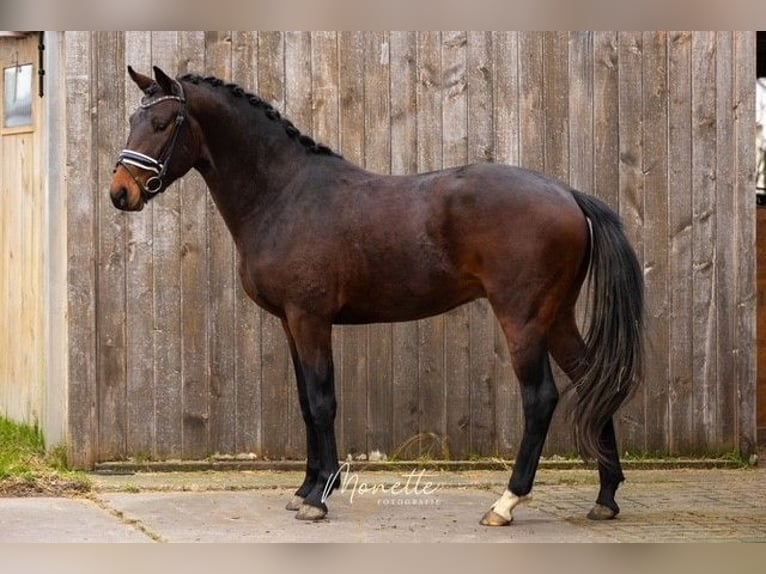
<point>155,183</point>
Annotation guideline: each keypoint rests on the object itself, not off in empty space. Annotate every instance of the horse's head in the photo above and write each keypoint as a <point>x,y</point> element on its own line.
<point>161,146</point>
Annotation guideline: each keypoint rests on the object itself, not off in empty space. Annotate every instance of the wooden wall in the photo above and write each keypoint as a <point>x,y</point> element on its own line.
<point>761,327</point>
<point>169,359</point>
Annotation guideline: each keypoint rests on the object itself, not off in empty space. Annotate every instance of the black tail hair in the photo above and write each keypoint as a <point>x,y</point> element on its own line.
<point>613,365</point>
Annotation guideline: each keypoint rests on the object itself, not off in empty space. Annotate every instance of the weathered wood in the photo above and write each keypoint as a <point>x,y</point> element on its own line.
<point>630,419</point>
<point>505,399</point>
<point>480,409</point>
<point>743,108</point>
<point>277,375</point>
<point>555,103</point>
<point>704,221</point>
<point>141,417</point>
<point>430,331</point>
<point>353,339</point>
<point>247,315</point>
<point>194,285</point>
<point>656,124</point>
<point>403,61</point>
<point>582,175</point>
<point>655,233</point>
<point>222,281</point>
<point>298,104</point>
<point>23,254</point>
<point>166,253</point>
<point>725,243</point>
<point>606,151</point>
<point>377,158</point>
<point>110,292</point>
<point>680,242</point>
<point>457,326</point>
<point>82,252</point>
<point>530,101</point>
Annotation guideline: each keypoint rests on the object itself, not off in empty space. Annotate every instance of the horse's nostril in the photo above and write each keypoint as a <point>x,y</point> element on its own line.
<point>120,199</point>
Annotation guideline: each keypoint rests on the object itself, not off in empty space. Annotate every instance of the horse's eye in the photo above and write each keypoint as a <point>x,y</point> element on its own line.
<point>159,125</point>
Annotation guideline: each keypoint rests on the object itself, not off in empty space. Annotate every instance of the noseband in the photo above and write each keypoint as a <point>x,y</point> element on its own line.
<point>155,183</point>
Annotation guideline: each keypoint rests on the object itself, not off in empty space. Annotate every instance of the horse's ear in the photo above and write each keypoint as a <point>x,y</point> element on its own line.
<point>167,84</point>
<point>143,82</point>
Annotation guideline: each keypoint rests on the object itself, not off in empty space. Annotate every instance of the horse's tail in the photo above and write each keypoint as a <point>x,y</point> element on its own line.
<point>613,362</point>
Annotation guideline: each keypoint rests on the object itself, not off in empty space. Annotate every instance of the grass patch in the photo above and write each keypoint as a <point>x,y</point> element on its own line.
<point>28,469</point>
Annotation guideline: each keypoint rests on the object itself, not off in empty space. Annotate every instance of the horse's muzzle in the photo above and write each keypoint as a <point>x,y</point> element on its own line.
<point>124,193</point>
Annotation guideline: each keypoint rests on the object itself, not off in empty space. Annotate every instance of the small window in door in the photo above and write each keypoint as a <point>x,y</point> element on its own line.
<point>17,97</point>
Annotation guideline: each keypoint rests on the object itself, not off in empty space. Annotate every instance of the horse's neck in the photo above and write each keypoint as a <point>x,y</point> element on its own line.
<point>252,160</point>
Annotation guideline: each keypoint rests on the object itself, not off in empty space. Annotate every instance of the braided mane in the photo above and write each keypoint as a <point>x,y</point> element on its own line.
<point>270,112</point>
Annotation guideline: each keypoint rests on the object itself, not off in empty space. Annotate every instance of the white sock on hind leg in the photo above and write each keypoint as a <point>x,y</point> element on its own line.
<point>506,503</point>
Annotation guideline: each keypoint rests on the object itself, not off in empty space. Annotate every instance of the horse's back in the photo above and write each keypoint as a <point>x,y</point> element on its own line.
<point>422,244</point>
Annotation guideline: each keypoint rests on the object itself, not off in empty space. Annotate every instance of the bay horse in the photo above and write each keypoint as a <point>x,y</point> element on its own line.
<point>322,241</point>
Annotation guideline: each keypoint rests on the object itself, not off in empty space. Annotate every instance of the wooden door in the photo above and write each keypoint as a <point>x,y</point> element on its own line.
<point>22,217</point>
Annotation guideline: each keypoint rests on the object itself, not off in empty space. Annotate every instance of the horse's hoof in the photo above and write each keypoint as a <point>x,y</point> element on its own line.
<point>601,512</point>
<point>295,503</point>
<point>492,518</point>
<point>308,512</point>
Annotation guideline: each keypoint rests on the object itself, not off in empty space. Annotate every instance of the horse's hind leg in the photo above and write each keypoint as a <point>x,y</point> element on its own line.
<point>539,397</point>
<point>568,349</point>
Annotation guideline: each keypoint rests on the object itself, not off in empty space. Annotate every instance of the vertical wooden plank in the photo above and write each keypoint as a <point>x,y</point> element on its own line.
<point>166,249</point>
<point>606,151</point>
<point>556,164</point>
<point>11,186</point>
<point>194,284</point>
<point>325,129</point>
<point>656,232</point>
<point>222,281</point>
<point>556,104</point>
<point>507,112</point>
<point>457,326</point>
<point>353,338</point>
<point>6,337</point>
<point>140,418</point>
<point>704,338</point>
<point>81,252</point>
<point>278,377</point>
<point>377,158</point>
<point>581,129</point>
<point>247,350</point>
<point>680,241</point>
<point>403,89</point>
<point>531,111</point>
<point>110,321</point>
<point>430,331</point>
<point>325,72</point>
<point>606,131</point>
<point>726,256</point>
<point>38,259</point>
<point>481,147</point>
<point>745,366</point>
<point>55,165</point>
<point>582,168</point>
<point>631,419</point>
<point>298,103</point>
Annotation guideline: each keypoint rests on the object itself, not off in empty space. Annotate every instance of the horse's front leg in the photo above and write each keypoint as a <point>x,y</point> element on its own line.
<point>312,441</point>
<point>311,346</point>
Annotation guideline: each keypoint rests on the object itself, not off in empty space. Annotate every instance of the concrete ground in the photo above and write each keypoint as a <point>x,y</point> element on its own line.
<point>688,505</point>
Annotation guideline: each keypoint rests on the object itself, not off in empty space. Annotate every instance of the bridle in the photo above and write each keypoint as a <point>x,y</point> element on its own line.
<point>159,167</point>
